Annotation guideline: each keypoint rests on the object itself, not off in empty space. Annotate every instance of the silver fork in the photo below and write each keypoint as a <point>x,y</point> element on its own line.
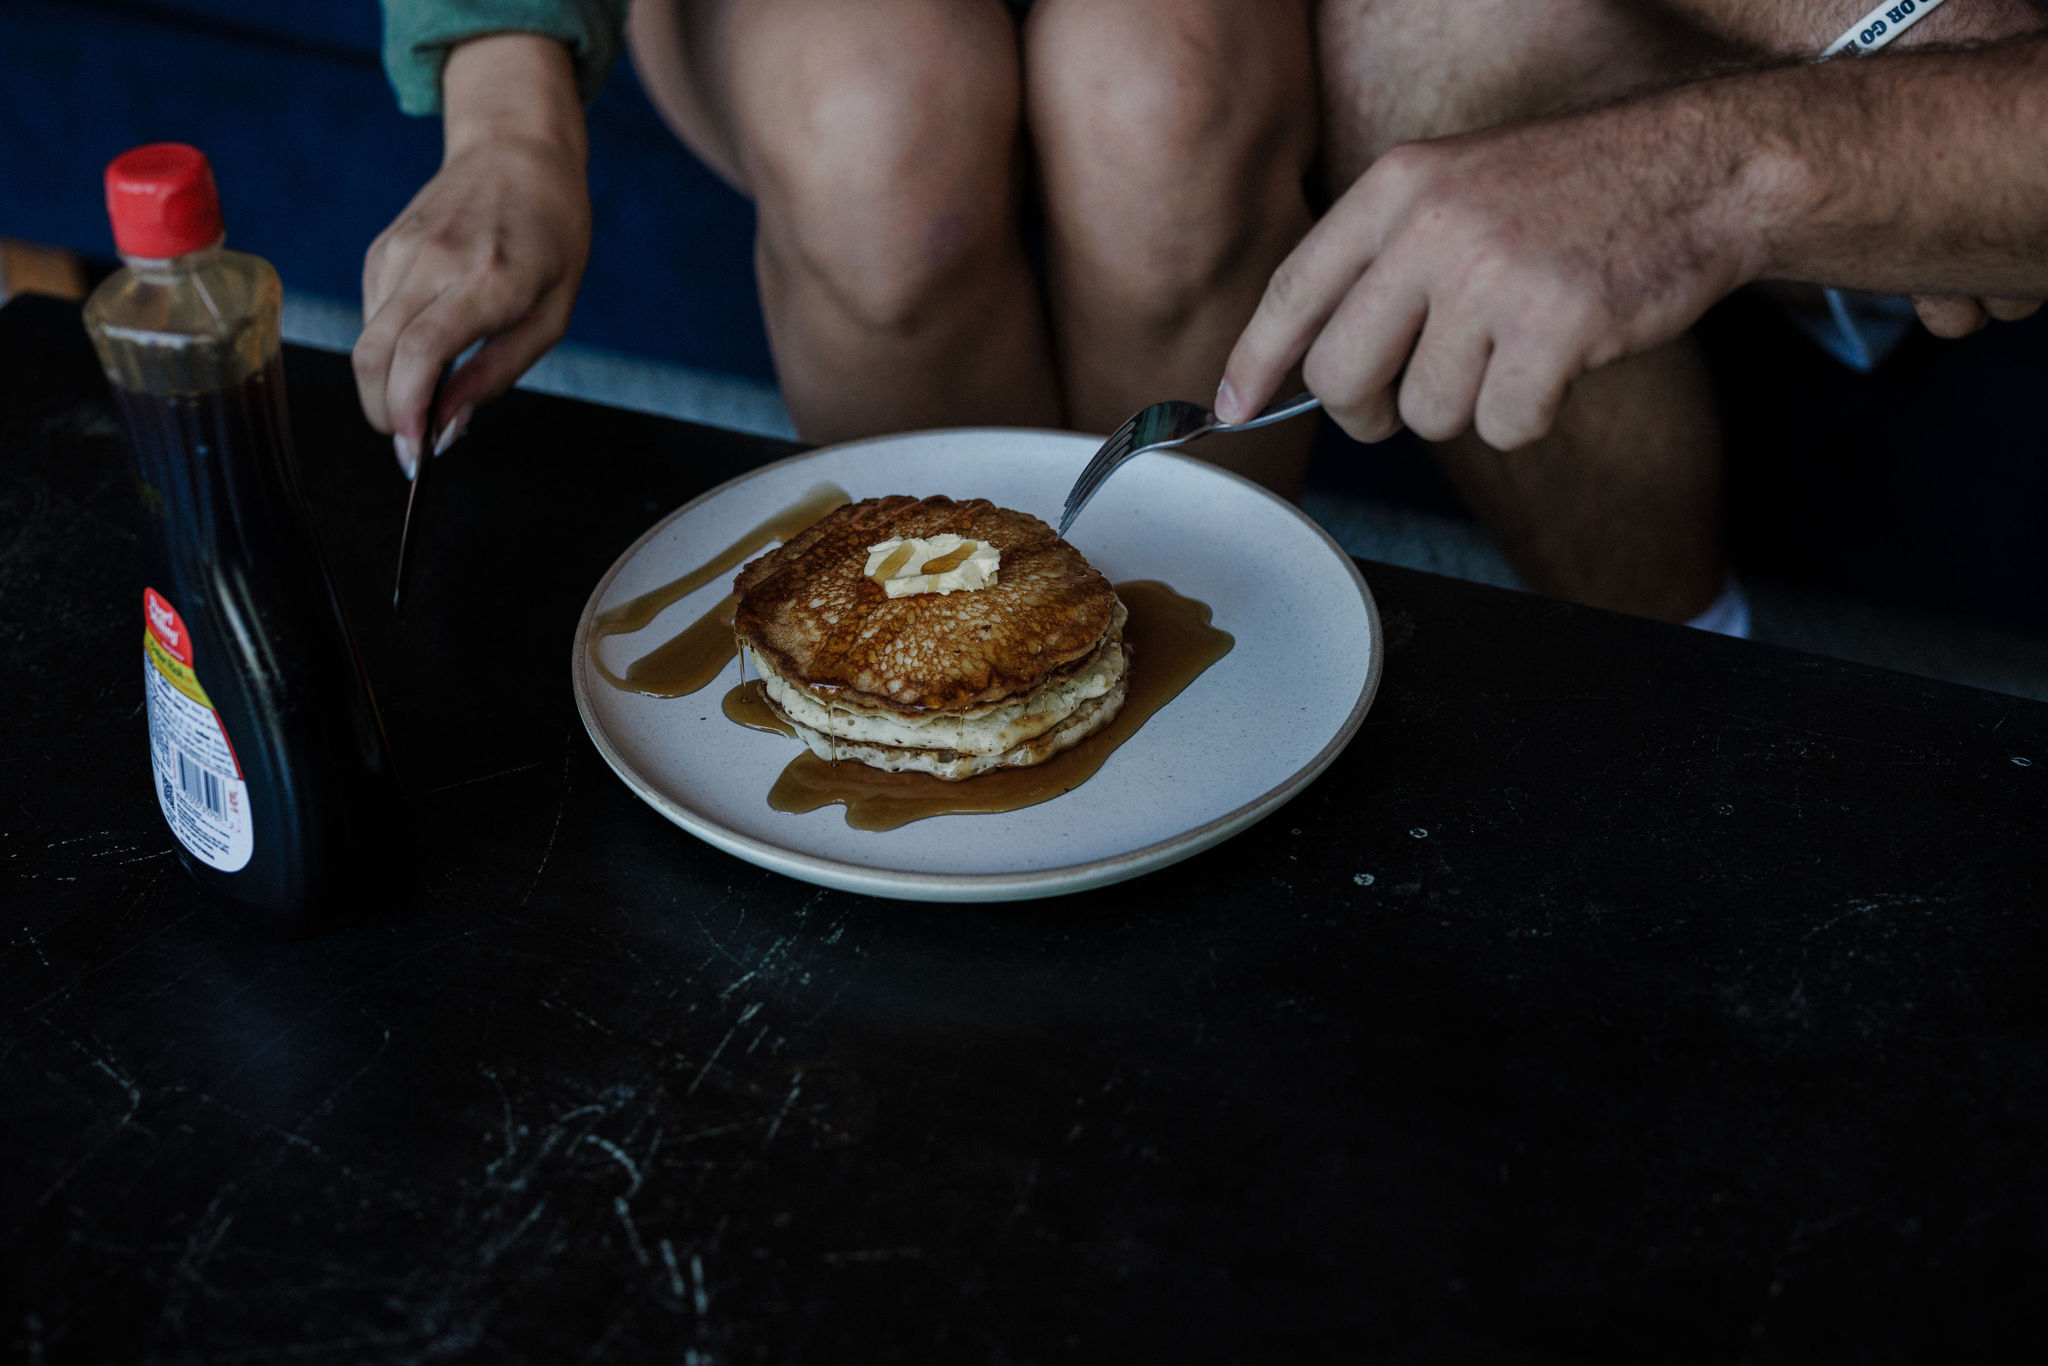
<point>1160,427</point>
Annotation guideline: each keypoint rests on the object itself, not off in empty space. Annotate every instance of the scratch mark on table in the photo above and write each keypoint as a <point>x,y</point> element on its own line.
<point>745,1015</point>
<point>81,839</point>
<point>290,1138</point>
<point>1867,905</point>
<point>349,989</point>
<point>326,1105</point>
<point>796,1085</point>
<point>483,778</point>
<point>618,1155</point>
<point>625,1213</point>
<point>561,805</point>
<point>99,968</point>
<point>549,1003</point>
<point>832,1000</point>
<point>496,1249</point>
<point>778,948</point>
<point>93,1150</point>
<point>712,1132</point>
<point>134,1091</point>
<point>675,1274</point>
<point>204,1241</point>
<point>511,1141</point>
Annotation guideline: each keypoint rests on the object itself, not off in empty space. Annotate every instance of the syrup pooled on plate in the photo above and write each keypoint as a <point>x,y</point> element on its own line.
<point>1172,645</point>
<point>697,654</point>
<point>747,705</point>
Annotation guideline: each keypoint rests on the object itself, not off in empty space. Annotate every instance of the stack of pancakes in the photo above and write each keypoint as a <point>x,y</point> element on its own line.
<point>954,684</point>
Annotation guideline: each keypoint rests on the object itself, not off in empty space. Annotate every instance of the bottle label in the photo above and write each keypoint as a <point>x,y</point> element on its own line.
<point>198,779</point>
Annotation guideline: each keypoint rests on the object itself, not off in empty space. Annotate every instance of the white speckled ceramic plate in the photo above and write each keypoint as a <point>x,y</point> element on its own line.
<point>1247,735</point>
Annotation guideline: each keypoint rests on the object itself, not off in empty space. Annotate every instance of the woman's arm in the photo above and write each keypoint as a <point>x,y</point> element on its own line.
<point>492,249</point>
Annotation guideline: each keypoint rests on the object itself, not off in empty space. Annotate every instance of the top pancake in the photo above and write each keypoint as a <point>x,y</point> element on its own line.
<point>807,607</point>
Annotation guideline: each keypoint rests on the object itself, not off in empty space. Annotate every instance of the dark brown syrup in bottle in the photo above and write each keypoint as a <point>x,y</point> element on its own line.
<point>269,763</point>
<point>229,542</point>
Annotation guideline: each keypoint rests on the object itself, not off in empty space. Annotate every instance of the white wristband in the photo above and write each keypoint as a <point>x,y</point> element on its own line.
<point>1880,26</point>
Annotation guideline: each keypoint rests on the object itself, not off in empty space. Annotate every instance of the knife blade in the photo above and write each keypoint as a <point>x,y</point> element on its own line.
<point>428,450</point>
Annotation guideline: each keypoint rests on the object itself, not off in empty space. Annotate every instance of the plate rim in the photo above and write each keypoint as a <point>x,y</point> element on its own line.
<point>903,884</point>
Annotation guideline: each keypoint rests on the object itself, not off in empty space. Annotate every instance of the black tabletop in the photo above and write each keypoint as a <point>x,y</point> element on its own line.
<point>1622,991</point>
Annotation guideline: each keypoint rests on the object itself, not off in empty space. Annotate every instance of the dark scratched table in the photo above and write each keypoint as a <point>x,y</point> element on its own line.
<point>1622,991</point>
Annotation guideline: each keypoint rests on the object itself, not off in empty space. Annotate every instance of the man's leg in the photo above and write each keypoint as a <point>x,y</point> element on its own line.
<point>880,142</point>
<point>1173,138</point>
<point>1619,506</point>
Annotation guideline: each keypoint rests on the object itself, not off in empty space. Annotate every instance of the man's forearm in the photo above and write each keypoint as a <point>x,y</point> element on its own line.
<point>1922,172</point>
<point>1468,281</point>
<point>1803,28</point>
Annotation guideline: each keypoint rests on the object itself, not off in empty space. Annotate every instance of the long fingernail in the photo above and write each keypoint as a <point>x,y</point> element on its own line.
<point>408,452</point>
<point>1226,401</point>
<point>456,426</point>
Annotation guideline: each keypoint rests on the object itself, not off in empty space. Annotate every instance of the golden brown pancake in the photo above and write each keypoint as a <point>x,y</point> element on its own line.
<point>806,607</point>
<point>951,684</point>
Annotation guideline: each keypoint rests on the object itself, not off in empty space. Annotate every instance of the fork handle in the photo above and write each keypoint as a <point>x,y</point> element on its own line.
<point>1278,412</point>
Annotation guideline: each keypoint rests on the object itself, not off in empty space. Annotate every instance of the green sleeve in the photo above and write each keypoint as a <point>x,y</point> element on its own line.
<point>418,34</point>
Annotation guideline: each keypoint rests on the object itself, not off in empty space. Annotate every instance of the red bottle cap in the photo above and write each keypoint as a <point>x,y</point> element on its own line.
<point>162,200</point>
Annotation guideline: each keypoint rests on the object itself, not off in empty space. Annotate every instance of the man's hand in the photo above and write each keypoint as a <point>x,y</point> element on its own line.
<point>1468,281</point>
<point>491,250</point>
<point>1958,315</point>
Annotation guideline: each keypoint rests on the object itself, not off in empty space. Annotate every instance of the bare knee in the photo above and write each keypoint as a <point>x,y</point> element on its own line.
<point>1394,71</point>
<point>1172,143</point>
<point>881,164</point>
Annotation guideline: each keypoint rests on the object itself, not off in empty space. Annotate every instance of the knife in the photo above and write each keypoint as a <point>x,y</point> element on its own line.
<point>428,450</point>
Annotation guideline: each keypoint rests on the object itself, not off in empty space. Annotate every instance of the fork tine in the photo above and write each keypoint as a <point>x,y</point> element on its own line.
<point>1162,426</point>
<point>1084,490</point>
<point>1113,452</point>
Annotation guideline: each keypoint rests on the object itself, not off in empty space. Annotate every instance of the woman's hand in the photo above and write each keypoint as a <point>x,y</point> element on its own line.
<point>491,250</point>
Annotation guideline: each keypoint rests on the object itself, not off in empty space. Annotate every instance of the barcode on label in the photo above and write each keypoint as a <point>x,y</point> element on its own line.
<point>202,785</point>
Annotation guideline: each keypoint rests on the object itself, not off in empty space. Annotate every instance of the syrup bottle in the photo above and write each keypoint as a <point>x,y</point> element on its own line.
<point>269,760</point>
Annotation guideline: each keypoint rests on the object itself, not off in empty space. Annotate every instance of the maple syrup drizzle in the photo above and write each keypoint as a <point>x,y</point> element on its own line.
<point>898,557</point>
<point>747,705</point>
<point>1172,644</point>
<point>952,559</point>
<point>688,660</point>
<point>697,654</point>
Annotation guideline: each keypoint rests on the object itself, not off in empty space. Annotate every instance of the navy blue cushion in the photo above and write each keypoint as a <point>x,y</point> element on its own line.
<point>313,160</point>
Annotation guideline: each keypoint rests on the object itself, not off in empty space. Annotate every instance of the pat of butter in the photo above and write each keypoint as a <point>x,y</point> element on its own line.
<point>942,564</point>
